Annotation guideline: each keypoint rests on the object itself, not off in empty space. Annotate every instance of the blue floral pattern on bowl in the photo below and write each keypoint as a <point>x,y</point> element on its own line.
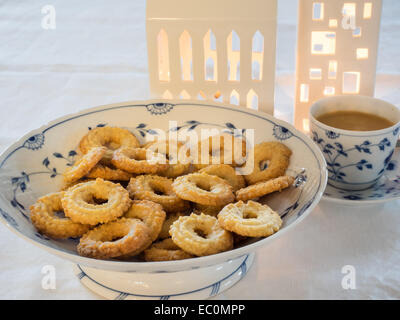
<point>159,108</point>
<point>281,133</point>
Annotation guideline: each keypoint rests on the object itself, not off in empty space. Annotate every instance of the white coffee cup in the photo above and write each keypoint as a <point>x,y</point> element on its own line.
<point>355,159</point>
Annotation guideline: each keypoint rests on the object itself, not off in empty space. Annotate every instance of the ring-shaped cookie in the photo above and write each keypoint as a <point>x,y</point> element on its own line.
<point>111,137</point>
<point>204,189</point>
<point>138,160</point>
<point>80,202</point>
<point>200,235</point>
<point>269,160</point>
<point>157,189</point>
<point>251,219</point>
<point>115,239</point>
<point>44,217</point>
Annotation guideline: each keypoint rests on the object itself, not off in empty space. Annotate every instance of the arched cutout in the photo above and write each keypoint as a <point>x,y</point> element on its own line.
<point>163,56</point>
<point>210,56</point>
<point>233,45</point>
<point>185,47</point>
<point>252,100</point>
<point>234,98</point>
<point>257,56</point>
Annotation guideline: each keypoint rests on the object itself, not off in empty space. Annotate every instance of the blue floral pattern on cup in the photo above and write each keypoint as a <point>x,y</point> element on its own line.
<point>334,151</point>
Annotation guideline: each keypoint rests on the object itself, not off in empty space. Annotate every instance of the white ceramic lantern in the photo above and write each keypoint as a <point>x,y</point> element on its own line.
<point>336,51</point>
<point>213,50</point>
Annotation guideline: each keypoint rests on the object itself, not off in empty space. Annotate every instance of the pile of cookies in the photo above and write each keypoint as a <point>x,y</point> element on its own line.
<point>124,199</point>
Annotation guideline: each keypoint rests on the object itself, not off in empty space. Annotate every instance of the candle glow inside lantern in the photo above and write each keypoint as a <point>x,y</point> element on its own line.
<point>336,51</point>
<point>213,50</point>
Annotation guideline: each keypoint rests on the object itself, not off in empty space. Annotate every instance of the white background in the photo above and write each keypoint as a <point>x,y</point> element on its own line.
<point>97,55</point>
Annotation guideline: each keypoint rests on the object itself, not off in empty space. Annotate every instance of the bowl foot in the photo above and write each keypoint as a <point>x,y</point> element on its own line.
<point>200,283</point>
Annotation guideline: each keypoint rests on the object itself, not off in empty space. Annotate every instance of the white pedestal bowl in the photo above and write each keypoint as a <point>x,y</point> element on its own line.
<point>32,167</point>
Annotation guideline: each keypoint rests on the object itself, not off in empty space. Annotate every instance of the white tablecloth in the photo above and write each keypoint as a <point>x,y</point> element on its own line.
<point>97,55</point>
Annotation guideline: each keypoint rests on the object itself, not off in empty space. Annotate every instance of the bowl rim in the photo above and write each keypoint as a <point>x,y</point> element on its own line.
<point>179,264</point>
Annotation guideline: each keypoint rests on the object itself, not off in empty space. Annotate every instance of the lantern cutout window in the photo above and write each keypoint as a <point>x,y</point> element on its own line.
<point>315,74</point>
<point>233,45</point>
<point>323,42</point>
<point>318,11</point>
<point>367,10</point>
<point>199,48</point>
<point>184,95</point>
<point>351,82</point>
<point>167,95</point>
<point>210,56</point>
<point>333,23</point>
<point>252,100</point>
<point>234,99</point>
<point>185,47</point>
<point>257,56</point>
<point>332,69</point>
<point>362,53</point>
<point>336,51</point>
<point>163,56</point>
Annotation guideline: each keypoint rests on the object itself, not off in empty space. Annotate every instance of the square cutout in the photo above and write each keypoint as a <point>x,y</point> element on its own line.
<point>315,74</point>
<point>333,23</point>
<point>306,125</point>
<point>367,14</point>
<point>323,42</point>
<point>351,82</point>
<point>329,91</point>
<point>357,32</point>
<point>332,69</point>
<point>318,11</point>
<point>349,9</point>
<point>304,92</point>
<point>362,53</point>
